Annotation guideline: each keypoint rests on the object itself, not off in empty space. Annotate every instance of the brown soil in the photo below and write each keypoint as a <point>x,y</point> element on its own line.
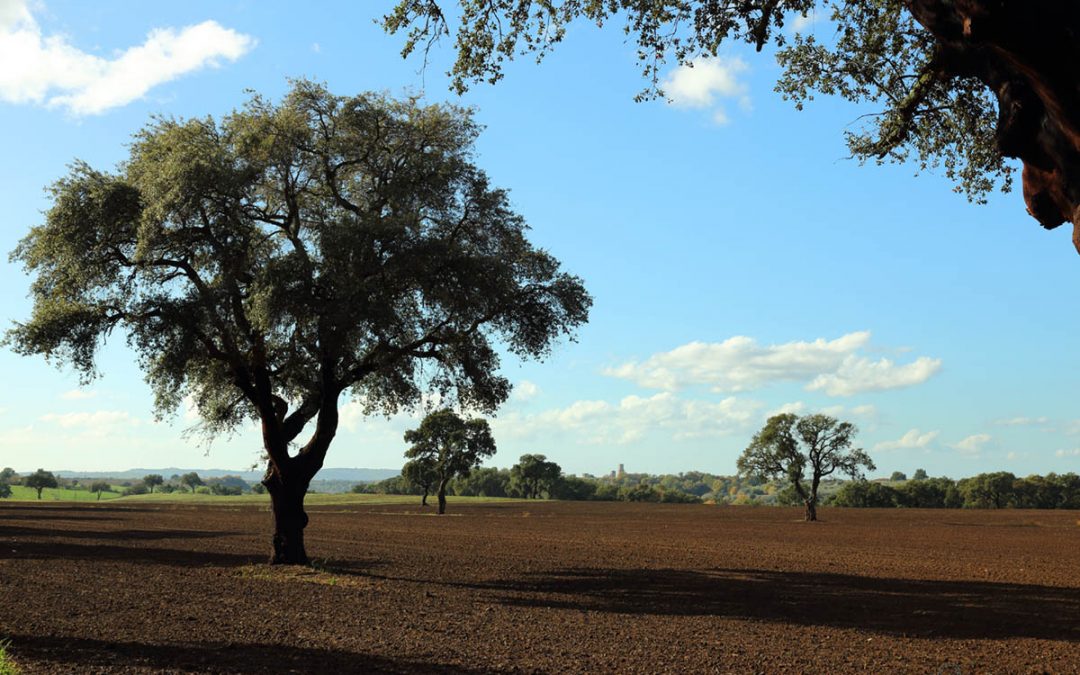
<point>541,587</point>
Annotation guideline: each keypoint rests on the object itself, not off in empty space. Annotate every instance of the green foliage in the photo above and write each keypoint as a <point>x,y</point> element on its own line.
<point>988,490</point>
<point>445,447</point>
<point>153,480</point>
<point>5,490</point>
<point>534,476</point>
<point>8,475</point>
<point>39,480</point>
<point>928,112</point>
<point>7,664</point>
<point>864,494</point>
<point>483,482</point>
<point>898,476</point>
<point>920,474</point>
<point>421,473</point>
<point>191,480</point>
<point>135,489</point>
<point>289,253</point>
<point>789,445</point>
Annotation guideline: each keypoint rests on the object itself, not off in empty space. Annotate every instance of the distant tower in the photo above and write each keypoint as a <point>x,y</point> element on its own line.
<point>621,472</point>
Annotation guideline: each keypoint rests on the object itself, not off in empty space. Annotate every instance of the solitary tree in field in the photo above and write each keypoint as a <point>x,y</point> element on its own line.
<point>272,262</point>
<point>421,473</point>
<point>958,84</point>
<point>8,475</point>
<point>153,480</point>
<point>191,480</point>
<point>39,480</point>
<point>534,475</point>
<point>787,446</point>
<point>98,487</point>
<point>451,445</point>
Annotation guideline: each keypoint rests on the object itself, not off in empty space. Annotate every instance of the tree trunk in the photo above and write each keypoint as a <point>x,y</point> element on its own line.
<point>287,503</point>
<point>39,492</point>
<point>811,510</point>
<point>1024,51</point>
<point>423,500</point>
<point>442,497</point>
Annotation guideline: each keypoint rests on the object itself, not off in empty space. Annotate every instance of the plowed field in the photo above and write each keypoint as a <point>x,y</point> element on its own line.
<point>540,587</point>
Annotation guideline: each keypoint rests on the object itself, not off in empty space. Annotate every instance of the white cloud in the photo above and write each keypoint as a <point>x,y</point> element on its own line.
<point>78,394</point>
<point>525,391</point>
<point>1022,421</point>
<point>913,439</point>
<point>1075,452</point>
<point>801,22</point>
<point>740,363</point>
<point>972,444</point>
<point>700,83</point>
<point>601,422</point>
<point>47,69</point>
<point>858,374</point>
<point>98,423</point>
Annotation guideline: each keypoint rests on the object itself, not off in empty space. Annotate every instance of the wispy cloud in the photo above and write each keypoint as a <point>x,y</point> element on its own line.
<point>632,418</point>
<point>78,394</point>
<point>703,82</point>
<point>973,444</point>
<point>740,364</point>
<point>911,440</point>
<point>1022,421</point>
<point>40,68</point>
<point>99,423</point>
<point>525,391</point>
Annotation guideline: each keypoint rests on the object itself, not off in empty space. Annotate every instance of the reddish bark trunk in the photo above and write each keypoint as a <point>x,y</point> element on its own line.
<point>1026,51</point>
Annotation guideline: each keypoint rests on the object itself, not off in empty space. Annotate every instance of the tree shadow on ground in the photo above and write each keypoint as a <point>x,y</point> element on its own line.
<point>132,554</point>
<point>81,655</point>
<point>79,508</point>
<point>123,535</point>
<point>906,607</point>
<point>50,517</point>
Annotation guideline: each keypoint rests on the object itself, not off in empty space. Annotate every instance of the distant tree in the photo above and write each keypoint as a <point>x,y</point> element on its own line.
<point>191,480</point>
<point>534,475</point>
<point>258,488</point>
<point>573,488</point>
<point>929,493</point>
<point>988,490</point>
<point>920,474</point>
<point>865,494</point>
<point>153,480</point>
<point>789,445</point>
<point>422,474</point>
<point>454,446</point>
<point>484,482</point>
<point>99,487</point>
<point>8,475</point>
<point>5,490</point>
<point>135,489</point>
<point>39,480</point>
<point>898,476</point>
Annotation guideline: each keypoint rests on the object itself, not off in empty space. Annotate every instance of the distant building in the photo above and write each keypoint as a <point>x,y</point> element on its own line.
<point>621,472</point>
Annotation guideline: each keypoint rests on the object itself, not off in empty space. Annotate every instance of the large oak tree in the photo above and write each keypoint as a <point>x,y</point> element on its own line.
<point>788,446</point>
<point>959,84</point>
<point>269,264</point>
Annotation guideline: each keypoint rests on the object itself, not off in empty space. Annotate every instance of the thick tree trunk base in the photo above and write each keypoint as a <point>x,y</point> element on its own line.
<point>287,503</point>
<point>811,513</point>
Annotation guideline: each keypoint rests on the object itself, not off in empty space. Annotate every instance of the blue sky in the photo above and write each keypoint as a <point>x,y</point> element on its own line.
<point>740,263</point>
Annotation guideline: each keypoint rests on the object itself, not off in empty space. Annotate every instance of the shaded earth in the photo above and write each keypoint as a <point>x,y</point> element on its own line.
<point>540,587</point>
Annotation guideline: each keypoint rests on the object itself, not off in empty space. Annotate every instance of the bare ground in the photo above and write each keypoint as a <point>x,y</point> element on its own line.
<point>540,587</point>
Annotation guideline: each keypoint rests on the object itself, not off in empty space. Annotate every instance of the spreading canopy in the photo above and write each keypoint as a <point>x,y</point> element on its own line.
<point>956,84</point>
<point>265,263</point>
